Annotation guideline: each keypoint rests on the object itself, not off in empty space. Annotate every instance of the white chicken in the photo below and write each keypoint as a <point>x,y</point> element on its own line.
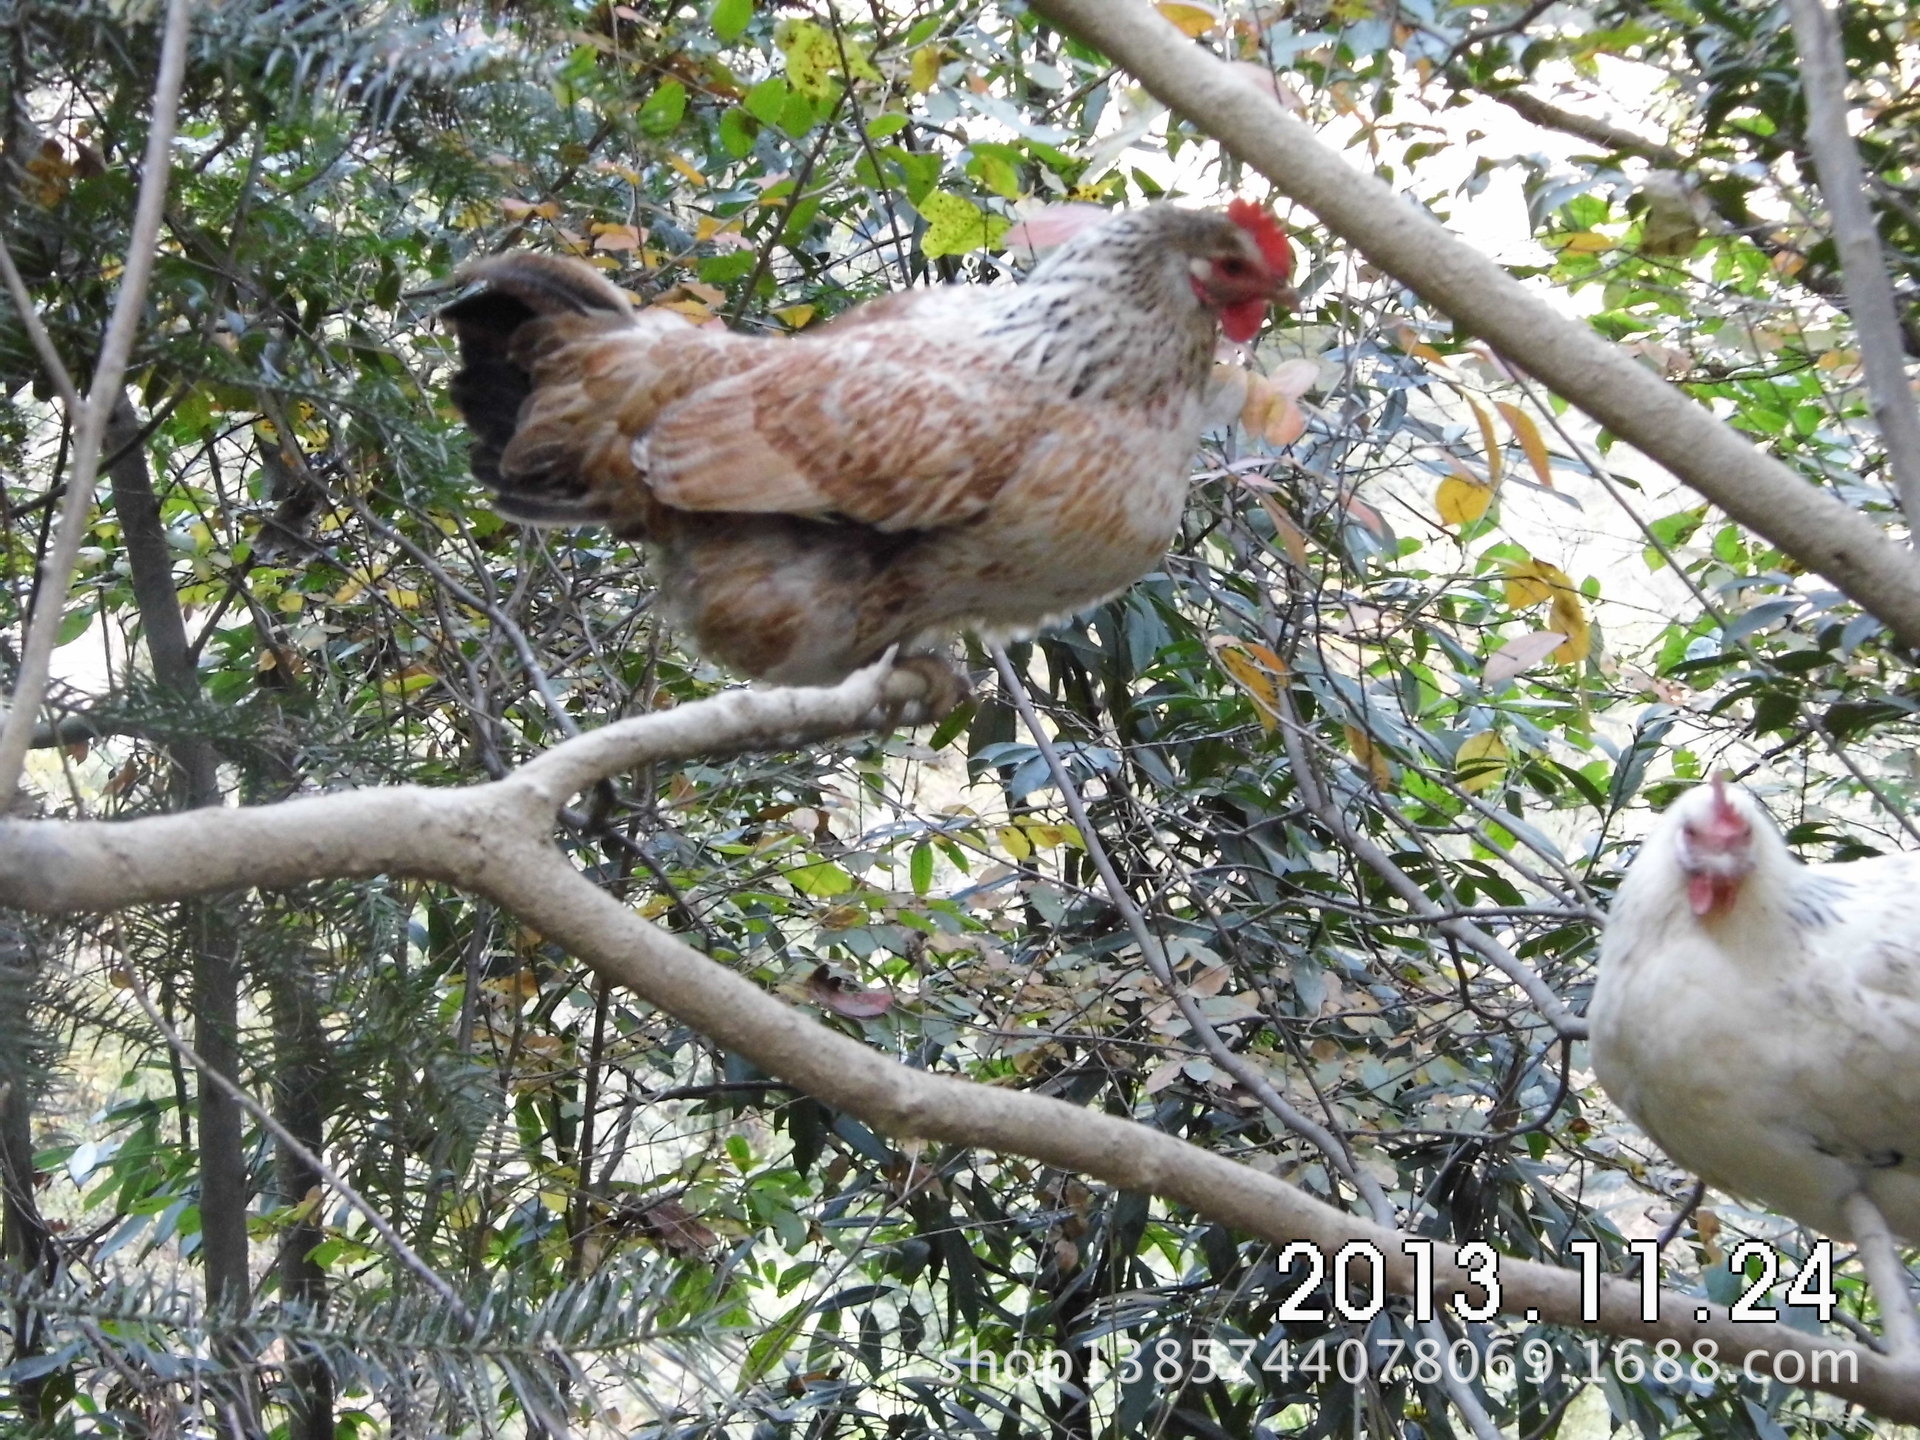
<point>1760,1019</point>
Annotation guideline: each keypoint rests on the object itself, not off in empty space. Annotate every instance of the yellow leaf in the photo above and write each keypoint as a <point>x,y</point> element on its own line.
<point>1531,581</point>
<point>708,226</point>
<point>357,581</point>
<point>414,677</point>
<point>1368,754</point>
<point>956,225</point>
<point>1270,412</point>
<point>1411,344</point>
<point>691,308</point>
<point>1461,501</point>
<point>51,169</point>
<point>813,56</point>
<point>1569,617</point>
<point>289,601</point>
<point>794,317</point>
<point>687,170</point>
<point>1480,761</point>
<point>1530,439</point>
<point>1489,439</point>
<point>1256,670</point>
<point>1189,17</point>
<point>1587,242</point>
<point>523,984</point>
<point>925,71</point>
<point>1014,841</point>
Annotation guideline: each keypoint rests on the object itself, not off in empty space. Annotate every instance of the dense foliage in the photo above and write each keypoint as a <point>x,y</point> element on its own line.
<point>1385,723</point>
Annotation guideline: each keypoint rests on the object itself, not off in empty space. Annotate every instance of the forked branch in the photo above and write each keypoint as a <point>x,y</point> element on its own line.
<point>495,840</point>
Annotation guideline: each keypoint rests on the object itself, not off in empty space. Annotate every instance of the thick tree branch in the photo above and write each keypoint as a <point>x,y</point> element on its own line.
<point>494,840</point>
<point>1863,269</point>
<point>1605,381</point>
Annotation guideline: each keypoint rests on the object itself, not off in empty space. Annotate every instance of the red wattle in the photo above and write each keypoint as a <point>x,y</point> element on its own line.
<point>1240,323</point>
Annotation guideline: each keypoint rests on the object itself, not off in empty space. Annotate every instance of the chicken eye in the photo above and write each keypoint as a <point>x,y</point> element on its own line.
<point>1233,265</point>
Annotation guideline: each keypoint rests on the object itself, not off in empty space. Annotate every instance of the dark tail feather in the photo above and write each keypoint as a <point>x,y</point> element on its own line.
<point>502,334</point>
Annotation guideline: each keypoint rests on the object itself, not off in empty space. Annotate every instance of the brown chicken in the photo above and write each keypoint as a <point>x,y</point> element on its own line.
<point>984,457</point>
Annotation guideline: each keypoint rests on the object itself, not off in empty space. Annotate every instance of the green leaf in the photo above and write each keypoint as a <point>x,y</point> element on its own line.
<point>738,130</point>
<point>772,1346</point>
<point>822,879</point>
<point>74,624</point>
<point>722,269</point>
<point>997,174</point>
<point>664,108</point>
<point>766,100</point>
<point>798,115</point>
<point>815,55</point>
<point>922,868</point>
<point>730,17</point>
<point>920,173</point>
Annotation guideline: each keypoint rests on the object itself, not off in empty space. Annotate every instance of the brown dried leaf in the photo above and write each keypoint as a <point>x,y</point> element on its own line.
<point>842,998</point>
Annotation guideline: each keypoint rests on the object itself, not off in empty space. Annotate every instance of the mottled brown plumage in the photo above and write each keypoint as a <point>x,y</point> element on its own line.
<point>966,457</point>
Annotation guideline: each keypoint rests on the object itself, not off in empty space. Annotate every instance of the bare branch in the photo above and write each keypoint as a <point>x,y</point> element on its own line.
<point>493,840</point>
<point>1548,116</point>
<point>1333,1146</point>
<point>1610,385</point>
<point>1876,322</point>
<point>90,422</point>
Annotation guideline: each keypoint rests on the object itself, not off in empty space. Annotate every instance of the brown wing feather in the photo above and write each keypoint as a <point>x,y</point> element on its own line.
<point>888,431</point>
<point>596,387</point>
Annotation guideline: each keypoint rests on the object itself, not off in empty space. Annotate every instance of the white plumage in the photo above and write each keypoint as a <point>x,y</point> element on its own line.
<point>1760,1019</point>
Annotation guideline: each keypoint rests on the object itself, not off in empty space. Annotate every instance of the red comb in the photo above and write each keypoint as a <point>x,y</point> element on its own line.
<point>1266,233</point>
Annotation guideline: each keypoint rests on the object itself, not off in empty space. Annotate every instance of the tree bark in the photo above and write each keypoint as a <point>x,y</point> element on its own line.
<point>216,969</point>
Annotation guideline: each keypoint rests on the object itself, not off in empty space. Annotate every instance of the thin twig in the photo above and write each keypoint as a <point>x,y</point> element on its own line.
<point>1154,954</point>
<point>1552,1009</point>
<point>37,332</point>
<point>408,1256</point>
<point>1333,1146</point>
<point>89,420</point>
